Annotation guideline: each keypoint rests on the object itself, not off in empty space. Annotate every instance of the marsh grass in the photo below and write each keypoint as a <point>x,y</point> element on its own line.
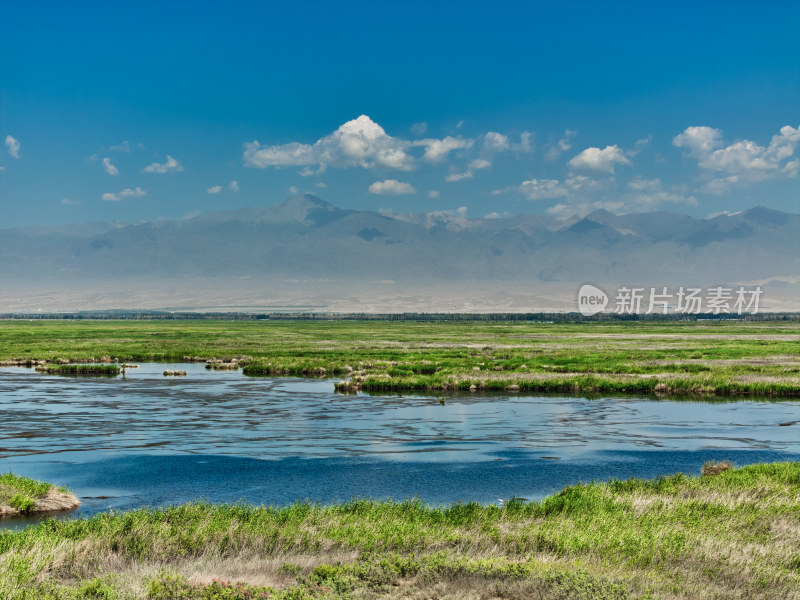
<point>72,369</point>
<point>24,495</point>
<point>732,359</point>
<point>731,536</point>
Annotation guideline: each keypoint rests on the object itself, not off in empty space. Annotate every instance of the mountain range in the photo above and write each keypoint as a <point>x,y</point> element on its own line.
<point>306,250</point>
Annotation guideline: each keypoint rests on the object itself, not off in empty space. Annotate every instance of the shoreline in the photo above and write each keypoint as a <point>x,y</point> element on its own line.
<point>672,537</point>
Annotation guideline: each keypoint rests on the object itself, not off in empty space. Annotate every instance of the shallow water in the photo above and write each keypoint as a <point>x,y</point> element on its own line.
<point>217,435</point>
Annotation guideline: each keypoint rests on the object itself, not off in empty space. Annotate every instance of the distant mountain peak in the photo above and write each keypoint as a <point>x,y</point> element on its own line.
<point>306,201</point>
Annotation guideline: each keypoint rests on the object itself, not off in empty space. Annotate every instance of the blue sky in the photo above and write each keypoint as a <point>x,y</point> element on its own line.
<point>138,111</point>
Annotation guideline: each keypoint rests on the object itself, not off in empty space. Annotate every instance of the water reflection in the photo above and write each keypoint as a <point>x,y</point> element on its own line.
<point>225,413</point>
<point>96,434</point>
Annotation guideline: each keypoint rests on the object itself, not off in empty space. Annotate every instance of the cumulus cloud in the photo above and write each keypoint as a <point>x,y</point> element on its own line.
<point>497,215</point>
<point>13,146</point>
<point>542,189</point>
<point>419,128</point>
<point>699,140</point>
<point>110,168</point>
<point>433,194</point>
<point>2,168</point>
<point>126,193</point>
<point>169,166</point>
<point>358,143</point>
<point>321,184</point>
<point>557,148</point>
<point>391,186</point>
<point>214,189</point>
<point>452,177</point>
<point>575,185</point>
<point>437,150</point>
<point>494,142</point>
<point>293,190</point>
<point>135,193</point>
<point>584,195</point>
<point>479,163</point>
<point>595,159</point>
<point>233,186</point>
<point>69,202</point>
<point>743,161</point>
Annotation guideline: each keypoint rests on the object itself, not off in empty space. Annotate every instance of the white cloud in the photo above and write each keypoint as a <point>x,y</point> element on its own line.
<point>542,189</point>
<point>233,186</point>
<point>496,215</point>
<point>437,150</point>
<point>433,194</point>
<point>169,166</point>
<point>126,193</point>
<point>123,147</point>
<point>556,149</point>
<point>640,144</point>
<point>391,186</point>
<point>419,128</point>
<point>525,143</point>
<point>699,140</point>
<point>494,142</point>
<point>214,189</point>
<point>584,195</point>
<point>129,193</point>
<point>360,142</point>
<point>13,146</point>
<point>2,168</point>
<point>574,187</point>
<point>68,202</point>
<point>479,163</point>
<point>639,184</point>
<point>109,168</point>
<point>321,184</point>
<point>293,190</point>
<point>459,176</point>
<point>743,161</point>
<point>595,159</point>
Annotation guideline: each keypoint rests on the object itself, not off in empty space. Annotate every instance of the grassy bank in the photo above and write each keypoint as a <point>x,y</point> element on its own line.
<point>22,495</point>
<point>103,370</point>
<point>728,536</point>
<point>724,358</point>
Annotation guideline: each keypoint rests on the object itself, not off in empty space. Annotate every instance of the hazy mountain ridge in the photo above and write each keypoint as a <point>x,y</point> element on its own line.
<point>307,238</point>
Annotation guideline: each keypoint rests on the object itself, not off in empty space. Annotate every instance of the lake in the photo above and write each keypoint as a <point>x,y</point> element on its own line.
<point>150,440</point>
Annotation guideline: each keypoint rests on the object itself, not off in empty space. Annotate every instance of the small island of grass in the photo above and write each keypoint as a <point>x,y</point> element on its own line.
<point>25,496</point>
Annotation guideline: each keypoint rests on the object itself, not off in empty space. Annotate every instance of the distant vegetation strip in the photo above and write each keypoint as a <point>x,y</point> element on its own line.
<point>726,358</point>
<point>314,314</point>
<point>727,536</point>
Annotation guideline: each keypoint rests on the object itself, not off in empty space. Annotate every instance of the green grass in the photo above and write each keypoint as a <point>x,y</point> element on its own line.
<point>21,492</point>
<point>678,358</point>
<point>106,370</point>
<point>727,536</point>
